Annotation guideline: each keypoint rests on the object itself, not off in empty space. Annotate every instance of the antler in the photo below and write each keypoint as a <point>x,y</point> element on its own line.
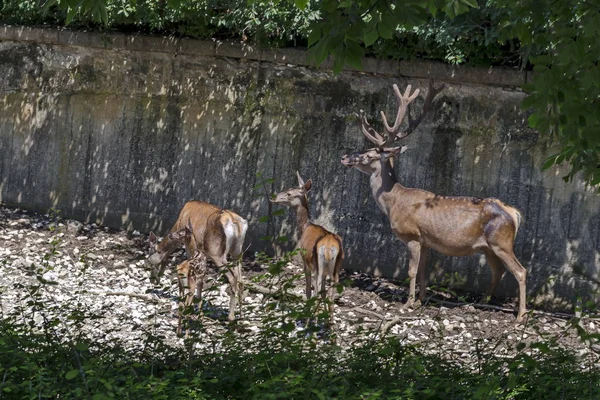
<point>368,130</point>
<point>393,132</point>
<point>404,100</point>
<point>413,123</point>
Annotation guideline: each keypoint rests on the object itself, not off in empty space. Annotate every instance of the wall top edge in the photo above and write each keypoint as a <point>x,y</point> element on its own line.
<point>492,76</point>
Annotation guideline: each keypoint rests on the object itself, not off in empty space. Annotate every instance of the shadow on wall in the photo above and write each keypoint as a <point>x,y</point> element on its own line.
<point>126,138</point>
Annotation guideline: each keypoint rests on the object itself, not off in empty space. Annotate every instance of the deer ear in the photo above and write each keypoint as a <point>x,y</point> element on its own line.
<point>308,185</point>
<point>393,151</point>
<point>152,238</point>
<point>300,180</point>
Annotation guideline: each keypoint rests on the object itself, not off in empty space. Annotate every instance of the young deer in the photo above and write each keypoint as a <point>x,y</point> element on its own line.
<point>454,226</point>
<point>190,274</point>
<point>216,233</point>
<point>322,250</point>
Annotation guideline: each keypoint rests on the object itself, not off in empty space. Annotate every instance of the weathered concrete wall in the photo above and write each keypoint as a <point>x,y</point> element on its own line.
<point>125,129</point>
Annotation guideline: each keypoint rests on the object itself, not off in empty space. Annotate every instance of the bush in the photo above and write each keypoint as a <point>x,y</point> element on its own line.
<point>471,37</point>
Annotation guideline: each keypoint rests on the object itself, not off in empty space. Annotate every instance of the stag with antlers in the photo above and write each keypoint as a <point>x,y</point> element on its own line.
<point>455,226</point>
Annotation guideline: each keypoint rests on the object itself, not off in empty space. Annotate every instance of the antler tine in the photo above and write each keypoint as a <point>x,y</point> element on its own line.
<point>368,130</point>
<point>404,101</point>
<point>414,123</point>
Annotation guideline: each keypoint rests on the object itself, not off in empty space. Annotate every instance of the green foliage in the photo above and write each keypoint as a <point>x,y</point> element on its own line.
<point>257,22</point>
<point>560,38</point>
<point>346,27</point>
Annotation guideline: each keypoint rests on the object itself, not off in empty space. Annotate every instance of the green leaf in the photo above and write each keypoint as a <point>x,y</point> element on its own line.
<point>48,5</point>
<point>71,374</point>
<point>319,52</point>
<point>70,15</point>
<point>386,29</point>
<point>470,3</point>
<point>563,119</point>
<point>371,36</point>
<point>81,346</point>
<point>288,327</point>
<point>529,102</point>
<point>264,218</point>
<point>338,63</point>
<point>314,36</point>
<point>550,161</point>
<point>354,54</point>
<point>279,212</point>
<point>301,4</point>
<point>543,59</point>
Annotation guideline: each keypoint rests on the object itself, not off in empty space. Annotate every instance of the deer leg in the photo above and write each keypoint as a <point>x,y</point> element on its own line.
<point>232,291</point>
<point>181,303</point>
<point>320,282</point>
<point>156,275</point>
<point>240,287</point>
<point>189,300</point>
<point>183,283</point>
<point>414,250</point>
<point>497,273</point>
<point>519,272</point>
<point>307,268</point>
<point>335,278</point>
<point>422,273</point>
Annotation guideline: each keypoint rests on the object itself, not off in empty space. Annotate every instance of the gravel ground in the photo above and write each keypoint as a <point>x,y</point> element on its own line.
<point>104,271</point>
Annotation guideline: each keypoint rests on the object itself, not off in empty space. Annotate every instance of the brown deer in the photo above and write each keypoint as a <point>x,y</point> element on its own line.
<point>322,251</point>
<point>190,274</point>
<point>216,233</point>
<point>455,226</point>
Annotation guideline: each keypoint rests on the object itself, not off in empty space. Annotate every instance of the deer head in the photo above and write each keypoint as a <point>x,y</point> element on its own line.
<point>159,251</point>
<point>369,161</point>
<point>294,197</point>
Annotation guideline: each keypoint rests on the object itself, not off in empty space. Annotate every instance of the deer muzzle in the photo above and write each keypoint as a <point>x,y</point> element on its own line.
<point>348,160</point>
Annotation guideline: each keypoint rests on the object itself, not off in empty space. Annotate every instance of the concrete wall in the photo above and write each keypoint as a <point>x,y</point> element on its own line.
<point>124,129</point>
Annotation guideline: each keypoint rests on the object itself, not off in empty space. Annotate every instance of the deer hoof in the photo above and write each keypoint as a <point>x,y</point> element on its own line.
<point>408,304</point>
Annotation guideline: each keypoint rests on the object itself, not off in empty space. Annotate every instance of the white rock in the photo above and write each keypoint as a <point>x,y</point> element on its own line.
<point>50,276</point>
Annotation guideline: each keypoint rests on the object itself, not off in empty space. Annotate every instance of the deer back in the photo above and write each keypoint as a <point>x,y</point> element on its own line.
<point>224,234</point>
<point>315,236</point>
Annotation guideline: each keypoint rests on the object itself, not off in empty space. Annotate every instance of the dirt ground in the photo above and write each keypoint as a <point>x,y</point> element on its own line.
<point>116,281</point>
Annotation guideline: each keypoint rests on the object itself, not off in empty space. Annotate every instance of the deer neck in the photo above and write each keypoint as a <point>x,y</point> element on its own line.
<point>383,182</point>
<point>302,216</point>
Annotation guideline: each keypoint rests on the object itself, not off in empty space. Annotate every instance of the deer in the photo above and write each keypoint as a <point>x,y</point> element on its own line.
<point>454,226</point>
<point>190,274</point>
<point>216,233</point>
<point>322,250</point>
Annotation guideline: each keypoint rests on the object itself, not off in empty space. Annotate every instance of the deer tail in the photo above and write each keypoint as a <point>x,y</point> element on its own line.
<point>516,216</point>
